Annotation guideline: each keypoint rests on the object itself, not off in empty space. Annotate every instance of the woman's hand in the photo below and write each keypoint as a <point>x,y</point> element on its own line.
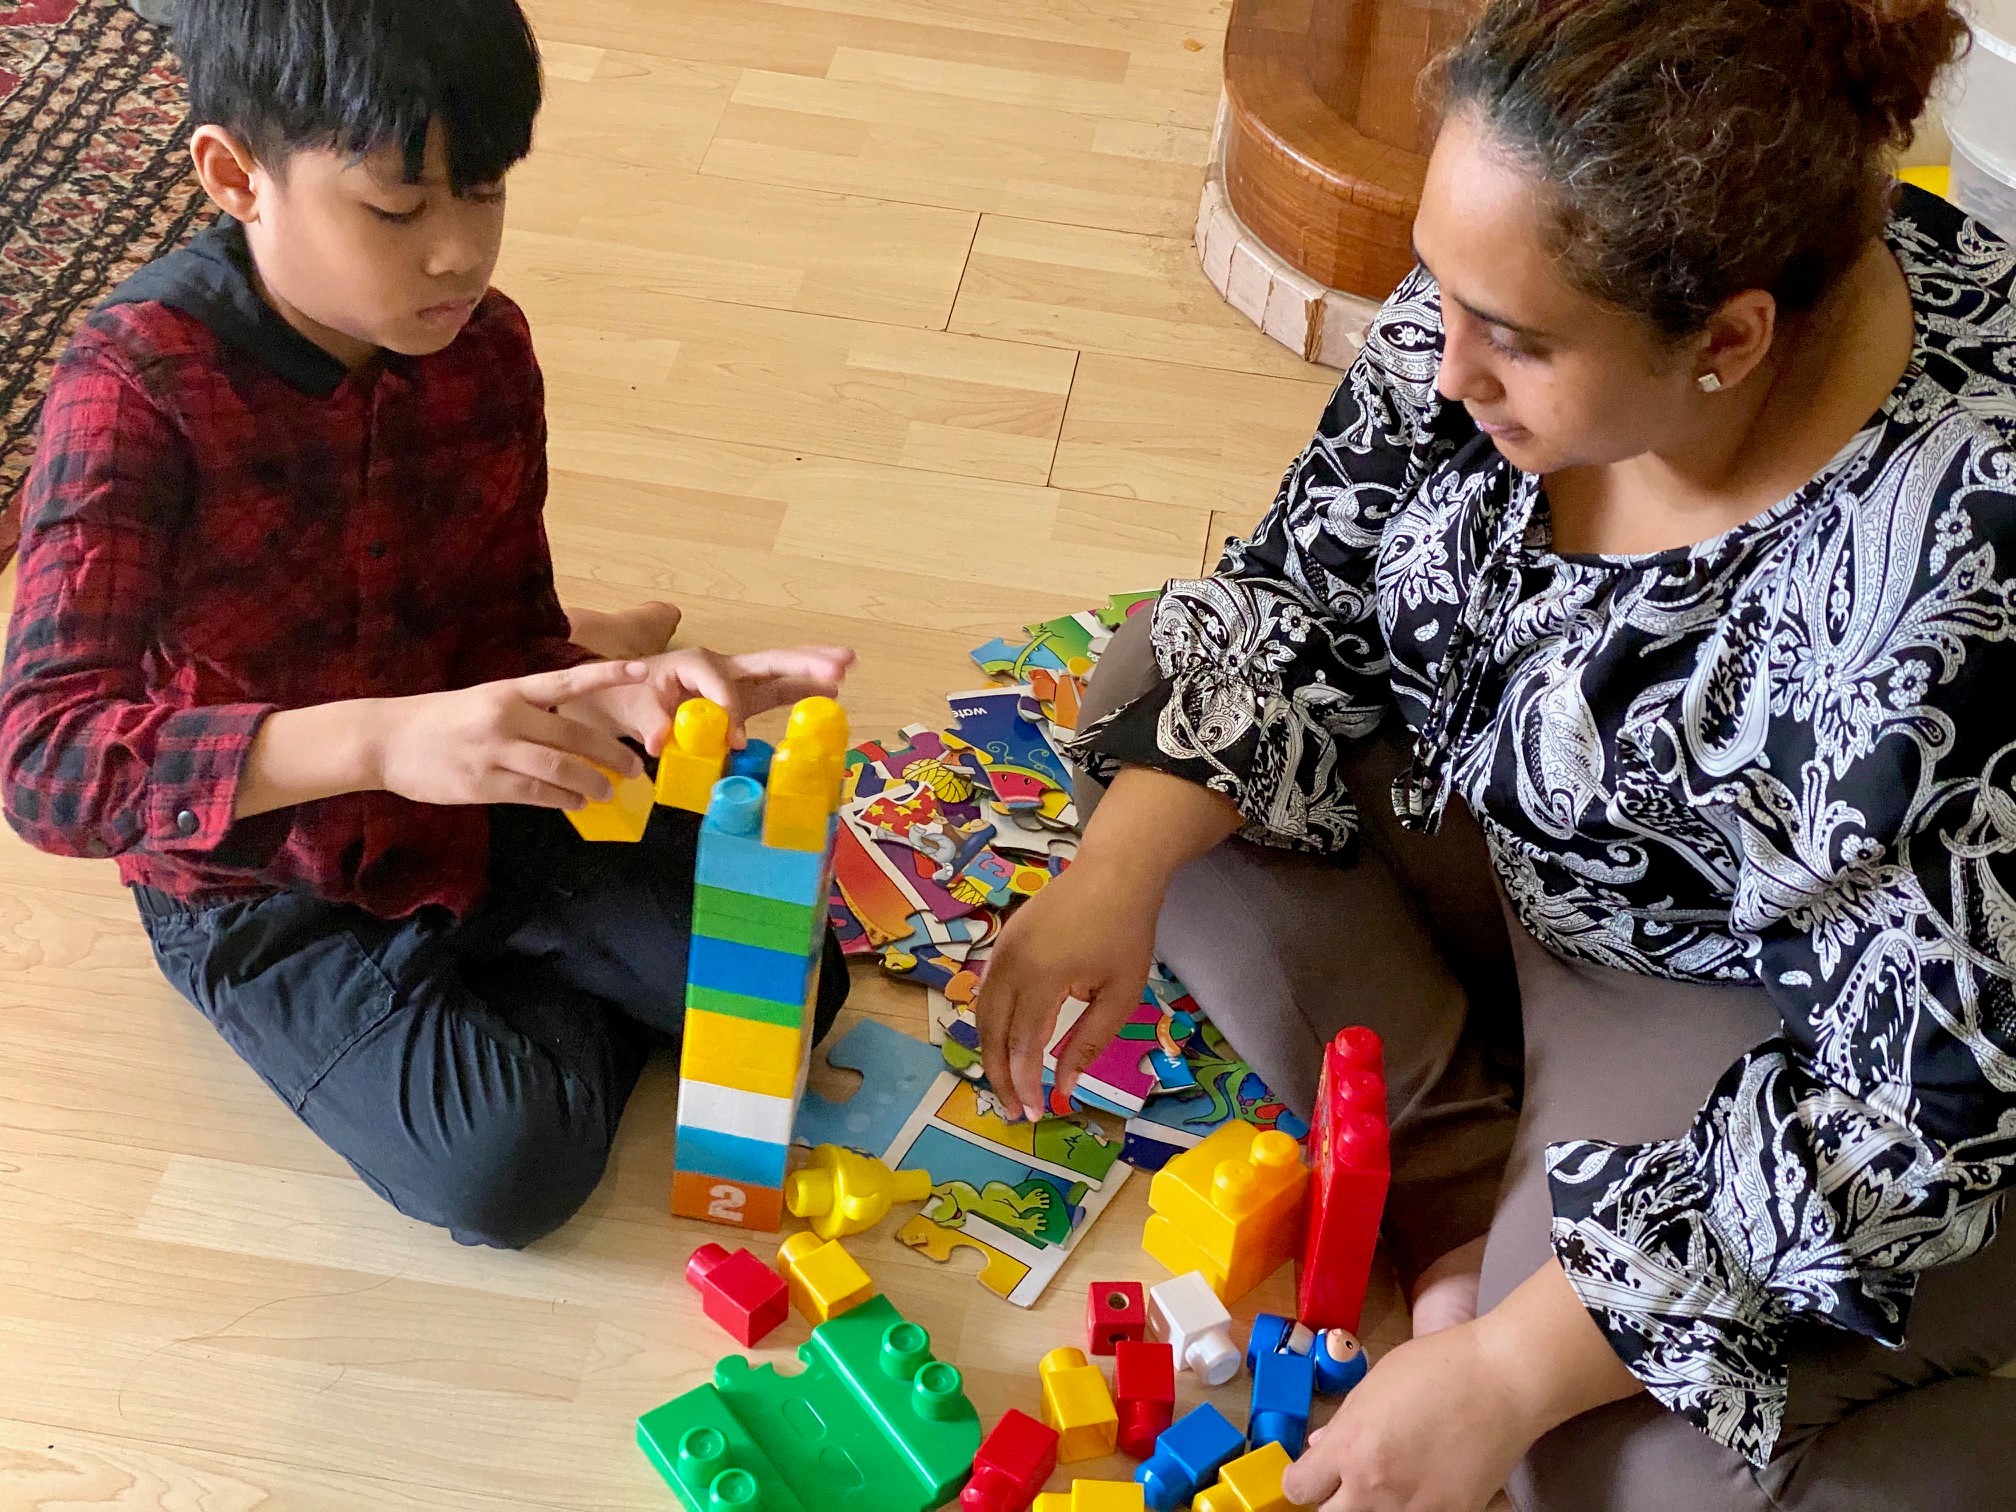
<point>1089,935</point>
<point>1438,1424</point>
<point>1431,1428</point>
<point>745,685</point>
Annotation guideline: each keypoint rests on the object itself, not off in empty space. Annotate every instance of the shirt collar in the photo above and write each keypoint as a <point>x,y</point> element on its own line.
<point>211,280</point>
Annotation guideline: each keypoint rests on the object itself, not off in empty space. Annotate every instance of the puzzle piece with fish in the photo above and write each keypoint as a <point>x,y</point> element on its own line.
<point>1022,768</point>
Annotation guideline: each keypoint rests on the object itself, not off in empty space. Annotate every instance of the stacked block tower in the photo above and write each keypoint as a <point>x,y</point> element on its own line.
<point>761,881</point>
<point>762,876</point>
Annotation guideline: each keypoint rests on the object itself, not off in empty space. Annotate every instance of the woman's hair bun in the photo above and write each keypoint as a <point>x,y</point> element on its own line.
<point>1890,53</point>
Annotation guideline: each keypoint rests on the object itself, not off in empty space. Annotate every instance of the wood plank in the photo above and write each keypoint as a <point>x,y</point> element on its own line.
<point>1150,430</point>
<point>1116,292</point>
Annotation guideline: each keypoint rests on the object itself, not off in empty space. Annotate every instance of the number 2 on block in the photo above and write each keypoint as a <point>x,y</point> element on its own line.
<point>726,1206</point>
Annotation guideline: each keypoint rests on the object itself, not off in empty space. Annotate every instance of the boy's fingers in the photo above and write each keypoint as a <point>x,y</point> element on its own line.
<point>534,794</point>
<point>828,664</point>
<point>558,733</point>
<point>786,690</point>
<point>547,689</point>
<point>580,780</point>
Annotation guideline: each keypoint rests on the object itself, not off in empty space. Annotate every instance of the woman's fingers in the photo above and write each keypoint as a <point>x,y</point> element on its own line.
<point>1106,1011</point>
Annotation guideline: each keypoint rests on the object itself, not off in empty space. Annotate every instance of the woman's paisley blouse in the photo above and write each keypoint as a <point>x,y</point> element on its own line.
<point>1785,757</point>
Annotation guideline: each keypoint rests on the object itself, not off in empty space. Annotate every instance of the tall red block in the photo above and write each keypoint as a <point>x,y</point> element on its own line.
<point>1012,1465</point>
<point>739,1292</point>
<point>1347,1194</point>
<point>1114,1310</point>
<point>1144,1388</point>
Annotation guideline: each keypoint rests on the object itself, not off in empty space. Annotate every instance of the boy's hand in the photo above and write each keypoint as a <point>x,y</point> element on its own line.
<point>744,685</point>
<point>501,742</point>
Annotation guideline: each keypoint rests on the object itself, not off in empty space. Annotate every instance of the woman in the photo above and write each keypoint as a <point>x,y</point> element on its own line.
<point>1656,559</point>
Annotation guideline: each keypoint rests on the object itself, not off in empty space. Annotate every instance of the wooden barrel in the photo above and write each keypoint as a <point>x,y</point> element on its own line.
<point>1325,142</point>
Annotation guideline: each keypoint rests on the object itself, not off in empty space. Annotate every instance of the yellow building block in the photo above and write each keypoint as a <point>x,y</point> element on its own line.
<point>1094,1496</point>
<point>1251,1483</point>
<point>622,817</point>
<point>694,755</point>
<point>824,1279</point>
<point>746,1054</point>
<point>1232,1208</point>
<point>1078,1406</point>
<point>806,773</point>
<point>842,1193</point>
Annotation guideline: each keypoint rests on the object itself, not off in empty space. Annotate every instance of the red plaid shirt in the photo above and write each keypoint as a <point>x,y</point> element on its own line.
<point>222,522</point>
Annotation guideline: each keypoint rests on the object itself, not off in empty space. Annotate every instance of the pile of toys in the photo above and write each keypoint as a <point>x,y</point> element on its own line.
<point>874,1420</point>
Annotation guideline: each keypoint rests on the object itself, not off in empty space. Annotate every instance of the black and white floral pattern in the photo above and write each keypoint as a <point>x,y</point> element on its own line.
<point>1785,756</point>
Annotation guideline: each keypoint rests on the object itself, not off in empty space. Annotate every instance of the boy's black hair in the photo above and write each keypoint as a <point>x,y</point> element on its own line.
<point>356,76</point>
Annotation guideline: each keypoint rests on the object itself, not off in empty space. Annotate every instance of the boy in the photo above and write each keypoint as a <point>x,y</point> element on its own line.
<point>287,644</point>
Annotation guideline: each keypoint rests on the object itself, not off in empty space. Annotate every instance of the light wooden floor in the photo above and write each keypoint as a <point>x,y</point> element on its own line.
<point>871,321</point>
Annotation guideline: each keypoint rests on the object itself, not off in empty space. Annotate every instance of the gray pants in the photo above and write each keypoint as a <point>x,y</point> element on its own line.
<point>1411,938</point>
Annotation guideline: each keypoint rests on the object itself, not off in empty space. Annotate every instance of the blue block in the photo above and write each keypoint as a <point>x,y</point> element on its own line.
<point>753,760</point>
<point>1270,1332</point>
<point>750,970</point>
<point>1283,1385</point>
<point>744,864</point>
<point>1188,1455</point>
<point>709,1152</point>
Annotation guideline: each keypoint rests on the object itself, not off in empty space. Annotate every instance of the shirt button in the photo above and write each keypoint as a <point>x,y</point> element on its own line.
<point>377,550</point>
<point>187,823</point>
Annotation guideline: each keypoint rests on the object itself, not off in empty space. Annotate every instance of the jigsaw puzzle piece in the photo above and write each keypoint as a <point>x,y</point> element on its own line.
<point>999,1273</point>
<point>897,1074</point>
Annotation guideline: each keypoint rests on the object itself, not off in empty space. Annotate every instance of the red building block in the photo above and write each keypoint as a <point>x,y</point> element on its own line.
<point>739,1292</point>
<point>1114,1310</point>
<point>1347,1195</point>
<point>1144,1388</point>
<point>1012,1465</point>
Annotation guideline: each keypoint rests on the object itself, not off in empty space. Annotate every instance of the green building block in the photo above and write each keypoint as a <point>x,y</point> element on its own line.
<point>871,1424</point>
<point>748,919</point>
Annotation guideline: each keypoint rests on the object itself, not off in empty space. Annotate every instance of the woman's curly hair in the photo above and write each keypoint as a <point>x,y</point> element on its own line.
<point>1692,149</point>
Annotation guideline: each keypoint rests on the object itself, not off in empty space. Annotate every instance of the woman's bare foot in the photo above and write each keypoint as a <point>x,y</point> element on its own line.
<point>643,631</point>
<point>1445,1294</point>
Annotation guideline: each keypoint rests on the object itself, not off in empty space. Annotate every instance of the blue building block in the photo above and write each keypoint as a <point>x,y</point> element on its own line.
<point>1188,1455</point>
<point>753,760</point>
<point>1283,1385</point>
<point>750,970</point>
<point>1271,1332</point>
<point>732,855</point>
<point>710,1152</point>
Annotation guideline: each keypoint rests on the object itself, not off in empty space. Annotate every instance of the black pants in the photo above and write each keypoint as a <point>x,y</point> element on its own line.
<point>472,1073</point>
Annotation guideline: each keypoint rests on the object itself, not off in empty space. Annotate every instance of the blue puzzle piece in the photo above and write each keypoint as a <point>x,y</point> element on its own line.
<point>896,1070</point>
<point>950,1159</point>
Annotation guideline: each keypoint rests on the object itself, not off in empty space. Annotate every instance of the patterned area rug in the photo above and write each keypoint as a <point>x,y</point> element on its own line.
<point>94,181</point>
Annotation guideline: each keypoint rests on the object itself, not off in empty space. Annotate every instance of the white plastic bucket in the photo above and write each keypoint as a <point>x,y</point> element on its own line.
<point>1982,121</point>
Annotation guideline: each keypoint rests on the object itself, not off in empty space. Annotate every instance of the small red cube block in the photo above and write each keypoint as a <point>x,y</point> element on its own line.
<point>1012,1465</point>
<point>739,1292</point>
<point>1114,1310</point>
<point>1144,1389</point>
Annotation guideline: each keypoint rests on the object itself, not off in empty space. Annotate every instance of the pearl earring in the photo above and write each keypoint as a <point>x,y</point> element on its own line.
<point>1709,383</point>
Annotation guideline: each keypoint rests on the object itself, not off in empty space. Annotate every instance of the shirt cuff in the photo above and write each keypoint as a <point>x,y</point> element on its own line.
<point>199,760</point>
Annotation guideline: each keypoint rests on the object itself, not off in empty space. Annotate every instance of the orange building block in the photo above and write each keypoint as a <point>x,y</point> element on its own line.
<point>719,1201</point>
<point>1231,1208</point>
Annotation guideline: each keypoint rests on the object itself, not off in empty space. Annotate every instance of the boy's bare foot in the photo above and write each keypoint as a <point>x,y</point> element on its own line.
<point>643,631</point>
<point>1445,1294</point>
